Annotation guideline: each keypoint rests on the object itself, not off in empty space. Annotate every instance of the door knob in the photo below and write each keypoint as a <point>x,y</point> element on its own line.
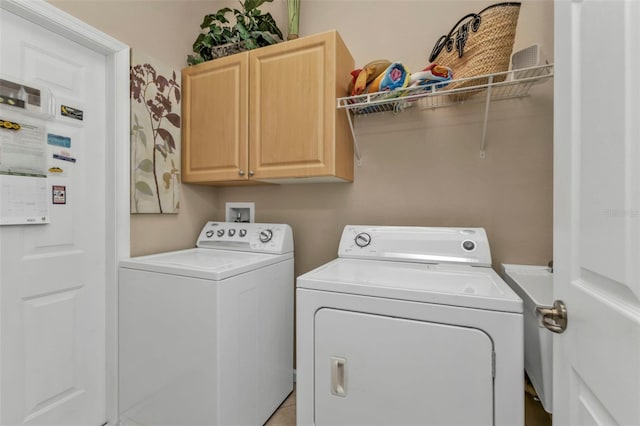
<point>553,318</point>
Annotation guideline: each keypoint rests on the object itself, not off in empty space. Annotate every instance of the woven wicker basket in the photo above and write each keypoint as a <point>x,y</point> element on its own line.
<point>479,44</point>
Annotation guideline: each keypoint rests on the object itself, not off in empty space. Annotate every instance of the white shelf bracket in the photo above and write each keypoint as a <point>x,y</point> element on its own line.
<point>356,147</point>
<point>483,142</point>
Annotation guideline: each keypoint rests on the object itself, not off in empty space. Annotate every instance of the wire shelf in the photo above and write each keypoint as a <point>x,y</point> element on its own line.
<point>515,84</point>
<point>498,86</point>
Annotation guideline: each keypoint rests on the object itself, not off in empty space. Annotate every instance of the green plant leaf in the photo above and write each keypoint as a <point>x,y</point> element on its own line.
<point>144,188</point>
<point>206,54</point>
<point>244,34</point>
<point>220,15</point>
<point>198,43</point>
<point>229,36</point>
<point>208,19</point>
<point>266,36</point>
<point>194,60</point>
<point>267,23</point>
<point>208,41</point>
<point>251,43</point>
<point>146,165</point>
<point>253,4</point>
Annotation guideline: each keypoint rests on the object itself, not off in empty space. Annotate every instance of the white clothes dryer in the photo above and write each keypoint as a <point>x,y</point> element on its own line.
<point>409,326</point>
<point>206,334</point>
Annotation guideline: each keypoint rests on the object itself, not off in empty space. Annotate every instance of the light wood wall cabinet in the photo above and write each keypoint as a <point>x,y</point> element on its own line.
<point>269,115</point>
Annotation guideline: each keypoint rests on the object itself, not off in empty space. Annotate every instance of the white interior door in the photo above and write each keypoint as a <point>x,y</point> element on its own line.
<point>597,212</point>
<point>52,277</point>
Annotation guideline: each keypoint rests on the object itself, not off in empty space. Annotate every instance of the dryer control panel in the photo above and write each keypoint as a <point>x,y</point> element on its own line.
<point>465,246</point>
<point>256,237</point>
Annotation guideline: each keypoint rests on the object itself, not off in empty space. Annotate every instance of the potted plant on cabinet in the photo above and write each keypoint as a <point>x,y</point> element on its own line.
<point>252,29</point>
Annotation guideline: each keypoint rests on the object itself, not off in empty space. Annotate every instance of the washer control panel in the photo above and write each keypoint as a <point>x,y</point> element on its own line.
<point>467,246</point>
<point>256,237</point>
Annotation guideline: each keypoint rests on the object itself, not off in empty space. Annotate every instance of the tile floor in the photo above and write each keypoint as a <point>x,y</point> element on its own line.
<point>285,415</point>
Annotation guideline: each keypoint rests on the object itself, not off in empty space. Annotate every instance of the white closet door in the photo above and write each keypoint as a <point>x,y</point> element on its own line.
<point>597,212</point>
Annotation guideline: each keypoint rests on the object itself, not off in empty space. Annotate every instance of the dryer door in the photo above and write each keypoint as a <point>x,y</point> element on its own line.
<point>378,370</point>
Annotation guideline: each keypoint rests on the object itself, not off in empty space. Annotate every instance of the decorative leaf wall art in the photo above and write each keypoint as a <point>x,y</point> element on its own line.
<point>155,136</point>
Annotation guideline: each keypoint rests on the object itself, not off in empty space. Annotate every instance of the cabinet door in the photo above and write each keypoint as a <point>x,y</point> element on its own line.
<point>293,113</point>
<point>214,131</point>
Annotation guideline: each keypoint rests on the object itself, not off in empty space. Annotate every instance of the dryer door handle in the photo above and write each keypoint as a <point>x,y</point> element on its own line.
<point>338,376</point>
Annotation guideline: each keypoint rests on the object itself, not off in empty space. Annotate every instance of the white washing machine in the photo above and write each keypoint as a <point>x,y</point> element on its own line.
<point>409,326</point>
<point>206,334</point>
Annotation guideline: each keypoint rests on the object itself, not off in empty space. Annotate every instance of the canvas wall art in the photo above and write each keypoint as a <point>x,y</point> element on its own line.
<point>155,136</point>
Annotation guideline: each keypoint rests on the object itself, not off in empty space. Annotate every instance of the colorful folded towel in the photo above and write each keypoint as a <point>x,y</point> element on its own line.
<point>362,77</point>
<point>433,74</point>
<point>394,77</point>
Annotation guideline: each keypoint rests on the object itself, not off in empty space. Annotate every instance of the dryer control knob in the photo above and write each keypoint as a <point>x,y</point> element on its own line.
<point>468,245</point>
<point>232,232</point>
<point>209,234</point>
<point>266,235</point>
<point>220,232</point>
<point>243,232</point>
<point>363,239</point>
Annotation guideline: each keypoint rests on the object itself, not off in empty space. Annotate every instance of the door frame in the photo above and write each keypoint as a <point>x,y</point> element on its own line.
<point>117,162</point>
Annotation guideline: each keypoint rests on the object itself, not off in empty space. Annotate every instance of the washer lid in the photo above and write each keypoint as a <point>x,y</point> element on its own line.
<point>210,264</point>
<point>534,284</point>
<point>455,285</point>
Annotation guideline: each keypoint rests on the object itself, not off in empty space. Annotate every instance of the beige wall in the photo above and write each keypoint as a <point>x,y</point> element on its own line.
<point>424,168</point>
<point>419,168</point>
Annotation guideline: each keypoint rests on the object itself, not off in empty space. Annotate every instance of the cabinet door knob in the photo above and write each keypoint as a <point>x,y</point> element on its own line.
<point>241,172</point>
<point>250,172</point>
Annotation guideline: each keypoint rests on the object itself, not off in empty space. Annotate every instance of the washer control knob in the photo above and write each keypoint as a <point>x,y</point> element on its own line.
<point>243,232</point>
<point>209,234</point>
<point>266,235</point>
<point>363,239</point>
<point>468,245</point>
<point>232,232</point>
<point>220,232</point>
